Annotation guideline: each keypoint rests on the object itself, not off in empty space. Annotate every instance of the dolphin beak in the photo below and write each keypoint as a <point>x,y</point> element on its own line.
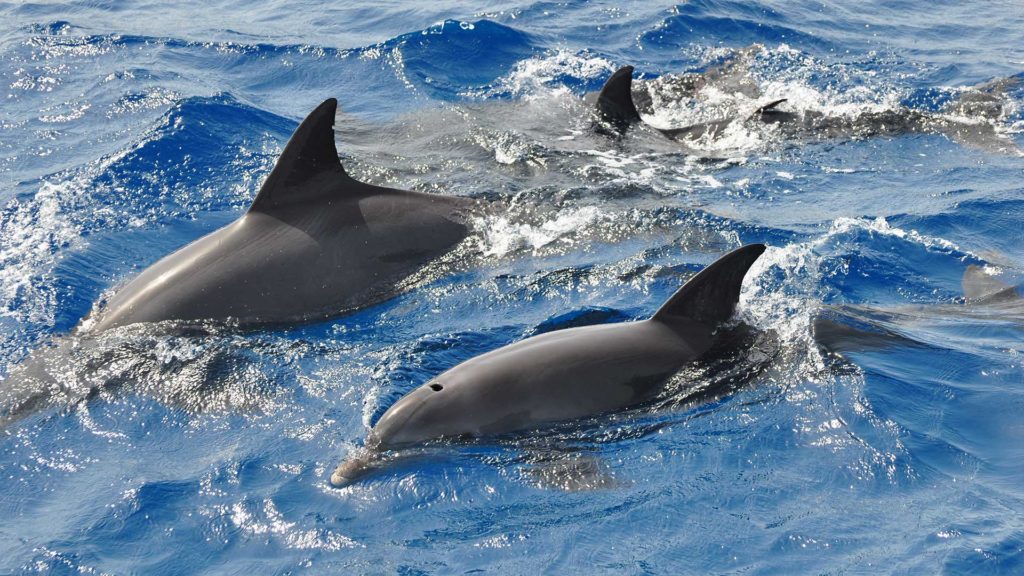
<point>352,468</point>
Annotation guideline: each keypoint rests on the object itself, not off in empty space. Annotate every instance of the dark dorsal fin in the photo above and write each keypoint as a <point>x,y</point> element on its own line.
<point>710,297</point>
<point>310,156</point>
<point>615,102</point>
<point>769,107</point>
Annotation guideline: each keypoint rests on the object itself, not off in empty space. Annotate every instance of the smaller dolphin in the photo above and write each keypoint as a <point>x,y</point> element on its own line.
<point>615,106</point>
<point>562,375</point>
<point>959,119</point>
<point>848,328</point>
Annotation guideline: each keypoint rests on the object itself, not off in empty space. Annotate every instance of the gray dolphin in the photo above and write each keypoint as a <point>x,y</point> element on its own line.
<point>616,106</point>
<point>315,243</point>
<point>564,374</point>
<point>849,328</point>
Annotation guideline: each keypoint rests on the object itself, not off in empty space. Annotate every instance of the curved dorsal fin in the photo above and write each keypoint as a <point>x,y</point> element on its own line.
<point>769,107</point>
<point>710,297</point>
<point>309,155</point>
<point>615,102</point>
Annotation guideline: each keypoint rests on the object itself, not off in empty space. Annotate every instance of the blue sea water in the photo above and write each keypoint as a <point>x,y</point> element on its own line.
<point>129,129</point>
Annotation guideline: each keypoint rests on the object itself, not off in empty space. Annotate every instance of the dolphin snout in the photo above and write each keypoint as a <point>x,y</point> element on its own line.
<point>353,468</point>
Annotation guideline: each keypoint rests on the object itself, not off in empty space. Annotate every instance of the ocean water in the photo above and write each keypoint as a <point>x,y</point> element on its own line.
<point>871,422</point>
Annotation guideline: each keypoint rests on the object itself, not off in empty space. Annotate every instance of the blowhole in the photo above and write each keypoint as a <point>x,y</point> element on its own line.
<point>436,387</point>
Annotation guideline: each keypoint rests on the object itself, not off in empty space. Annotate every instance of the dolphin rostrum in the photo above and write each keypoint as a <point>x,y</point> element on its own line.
<point>314,244</point>
<point>564,374</point>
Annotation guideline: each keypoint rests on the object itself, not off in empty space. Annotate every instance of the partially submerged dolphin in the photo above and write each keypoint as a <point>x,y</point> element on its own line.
<point>564,374</point>
<point>967,119</point>
<point>316,243</point>
<point>851,328</point>
<point>615,106</point>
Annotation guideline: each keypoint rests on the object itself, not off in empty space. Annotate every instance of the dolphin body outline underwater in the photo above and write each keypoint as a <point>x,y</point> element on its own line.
<point>561,375</point>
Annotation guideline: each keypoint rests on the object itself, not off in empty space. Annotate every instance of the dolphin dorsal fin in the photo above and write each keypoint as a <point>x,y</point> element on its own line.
<point>769,107</point>
<point>308,156</point>
<point>615,102</point>
<point>710,297</point>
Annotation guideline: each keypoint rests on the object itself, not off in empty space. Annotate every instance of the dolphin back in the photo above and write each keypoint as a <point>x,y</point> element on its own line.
<point>710,297</point>
<point>979,286</point>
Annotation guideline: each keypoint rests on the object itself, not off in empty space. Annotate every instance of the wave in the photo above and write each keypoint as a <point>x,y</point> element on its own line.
<point>52,267</point>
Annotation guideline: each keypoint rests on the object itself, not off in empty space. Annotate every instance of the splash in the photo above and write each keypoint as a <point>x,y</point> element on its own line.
<point>503,235</point>
<point>548,75</point>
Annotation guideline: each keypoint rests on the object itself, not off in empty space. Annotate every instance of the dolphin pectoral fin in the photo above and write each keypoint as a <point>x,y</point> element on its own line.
<point>710,297</point>
<point>615,102</point>
<point>308,166</point>
<point>569,471</point>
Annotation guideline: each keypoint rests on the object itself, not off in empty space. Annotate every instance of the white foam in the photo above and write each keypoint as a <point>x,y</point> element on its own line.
<point>788,305</point>
<point>778,73</point>
<point>32,234</point>
<point>535,77</point>
<point>501,235</point>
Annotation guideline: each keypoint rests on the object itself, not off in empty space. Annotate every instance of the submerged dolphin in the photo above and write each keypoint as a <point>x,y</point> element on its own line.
<point>316,243</point>
<point>616,106</point>
<point>564,374</point>
<point>848,328</point>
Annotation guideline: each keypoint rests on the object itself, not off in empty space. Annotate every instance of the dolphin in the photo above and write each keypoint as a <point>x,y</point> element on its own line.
<point>561,375</point>
<point>848,328</point>
<point>966,119</point>
<point>315,243</point>
<point>615,106</point>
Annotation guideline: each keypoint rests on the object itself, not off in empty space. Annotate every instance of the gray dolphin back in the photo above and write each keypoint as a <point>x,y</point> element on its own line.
<point>980,287</point>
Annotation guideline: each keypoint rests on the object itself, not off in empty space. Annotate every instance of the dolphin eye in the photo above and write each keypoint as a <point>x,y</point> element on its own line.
<point>436,387</point>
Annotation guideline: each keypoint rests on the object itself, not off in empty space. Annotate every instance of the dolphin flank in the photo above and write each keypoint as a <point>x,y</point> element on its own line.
<point>564,374</point>
<point>315,243</point>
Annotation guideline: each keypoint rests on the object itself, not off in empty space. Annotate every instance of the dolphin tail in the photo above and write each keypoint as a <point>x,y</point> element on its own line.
<point>710,297</point>
<point>615,102</point>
